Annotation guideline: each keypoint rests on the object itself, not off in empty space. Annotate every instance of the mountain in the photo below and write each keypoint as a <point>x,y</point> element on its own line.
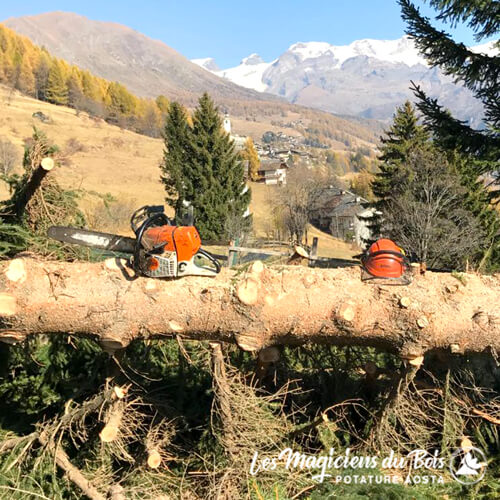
<point>207,63</point>
<point>367,78</point>
<point>147,67</point>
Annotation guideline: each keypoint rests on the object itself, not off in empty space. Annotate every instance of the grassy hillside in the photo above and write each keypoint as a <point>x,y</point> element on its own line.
<point>106,159</point>
<point>99,156</point>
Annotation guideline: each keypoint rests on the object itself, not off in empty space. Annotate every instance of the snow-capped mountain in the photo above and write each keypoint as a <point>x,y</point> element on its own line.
<point>207,63</point>
<point>366,78</point>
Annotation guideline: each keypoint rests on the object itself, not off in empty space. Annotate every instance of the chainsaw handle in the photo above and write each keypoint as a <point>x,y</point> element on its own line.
<point>211,258</point>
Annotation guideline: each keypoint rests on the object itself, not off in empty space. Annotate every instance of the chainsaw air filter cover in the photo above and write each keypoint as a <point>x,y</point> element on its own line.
<point>385,263</point>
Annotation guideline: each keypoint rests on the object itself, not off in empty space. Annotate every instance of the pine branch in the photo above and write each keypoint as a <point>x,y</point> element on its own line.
<point>454,133</point>
<point>482,17</point>
<point>478,72</point>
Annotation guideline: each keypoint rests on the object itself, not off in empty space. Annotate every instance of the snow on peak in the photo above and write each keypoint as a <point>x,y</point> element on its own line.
<point>490,48</point>
<point>310,50</point>
<point>206,63</point>
<point>401,50</point>
<point>252,59</point>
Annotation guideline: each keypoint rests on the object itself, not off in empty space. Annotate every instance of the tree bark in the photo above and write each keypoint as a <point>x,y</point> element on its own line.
<point>46,165</point>
<point>256,309</point>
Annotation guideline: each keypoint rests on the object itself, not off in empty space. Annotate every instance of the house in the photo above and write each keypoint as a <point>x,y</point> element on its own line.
<point>343,214</point>
<point>273,172</point>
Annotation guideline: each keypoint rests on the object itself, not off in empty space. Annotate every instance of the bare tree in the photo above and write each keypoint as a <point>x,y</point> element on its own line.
<point>8,156</point>
<point>296,200</point>
<point>428,215</point>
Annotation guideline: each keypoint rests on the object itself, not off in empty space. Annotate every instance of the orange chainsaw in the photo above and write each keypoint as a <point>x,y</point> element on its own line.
<point>159,249</point>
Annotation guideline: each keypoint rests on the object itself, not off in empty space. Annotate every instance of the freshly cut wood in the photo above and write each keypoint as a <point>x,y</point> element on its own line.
<point>16,271</point>
<point>111,430</point>
<point>405,302</point>
<point>47,164</point>
<point>248,291</point>
<point>154,459</point>
<point>33,183</point>
<point>329,306</point>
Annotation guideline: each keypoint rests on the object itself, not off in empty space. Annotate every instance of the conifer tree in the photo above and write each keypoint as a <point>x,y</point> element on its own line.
<point>480,73</point>
<point>57,90</point>
<point>477,71</point>
<point>404,136</point>
<point>250,154</point>
<point>201,169</point>
<point>220,196</point>
<point>175,166</point>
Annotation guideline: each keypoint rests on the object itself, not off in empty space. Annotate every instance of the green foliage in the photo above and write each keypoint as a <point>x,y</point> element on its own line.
<point>176,169</point>
<point>480,74</point>
<point>49,205</point>
<point>201,169</point>
<point>39,376</point>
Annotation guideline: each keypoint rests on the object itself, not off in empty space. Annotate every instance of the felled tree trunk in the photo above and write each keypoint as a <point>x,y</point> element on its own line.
<point>34,182</point>
<point>256,309</point>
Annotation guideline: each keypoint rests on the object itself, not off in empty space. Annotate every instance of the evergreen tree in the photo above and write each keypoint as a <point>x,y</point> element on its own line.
<point>57,90</point>
<point>480,149</point>
<point>220,196</point>
<point>404,136</point>
<point>478,72</point>
<point>175,166</point>
<point>203,170</point>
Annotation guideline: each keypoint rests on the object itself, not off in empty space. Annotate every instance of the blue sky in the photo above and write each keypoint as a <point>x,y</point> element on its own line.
<point>231,30</point>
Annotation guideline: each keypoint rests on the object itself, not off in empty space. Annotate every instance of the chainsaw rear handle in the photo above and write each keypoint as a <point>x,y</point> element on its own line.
<point>211,258</point>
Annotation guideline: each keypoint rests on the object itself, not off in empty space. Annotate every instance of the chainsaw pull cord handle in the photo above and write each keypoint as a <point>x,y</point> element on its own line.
<point>139,234</point>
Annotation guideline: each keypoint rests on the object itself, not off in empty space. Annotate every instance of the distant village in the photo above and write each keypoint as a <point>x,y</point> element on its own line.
<point>339,212</point>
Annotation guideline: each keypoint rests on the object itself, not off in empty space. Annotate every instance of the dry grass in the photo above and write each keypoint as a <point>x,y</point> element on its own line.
<point>111,160</point>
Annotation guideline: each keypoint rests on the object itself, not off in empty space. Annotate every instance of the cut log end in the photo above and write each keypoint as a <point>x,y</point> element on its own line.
<point>111,345</point>
<point>175,327</point>
<point>12,338</point>
<point>8,305</point>
<point>405,302</point>
<point>16,271</point>
<point>47,164</point>
<point>416,361</point>
<point>422,322</point>
<point>120,392</point>
<point>347,312</point>
<point>154,459</point>
<point>257,267</point>
<point>248,292</point>
<point>249,341</point>
<point>109,433</point>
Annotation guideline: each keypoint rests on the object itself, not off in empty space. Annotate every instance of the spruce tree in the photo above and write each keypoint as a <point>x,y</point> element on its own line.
<point>404,136</point>
<point>220,196</point>
<point>480,73</point>
<point>175,166</point>
<point>212,176</point>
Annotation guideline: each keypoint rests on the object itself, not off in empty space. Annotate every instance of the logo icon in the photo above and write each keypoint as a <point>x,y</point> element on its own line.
<point>468,466</point>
